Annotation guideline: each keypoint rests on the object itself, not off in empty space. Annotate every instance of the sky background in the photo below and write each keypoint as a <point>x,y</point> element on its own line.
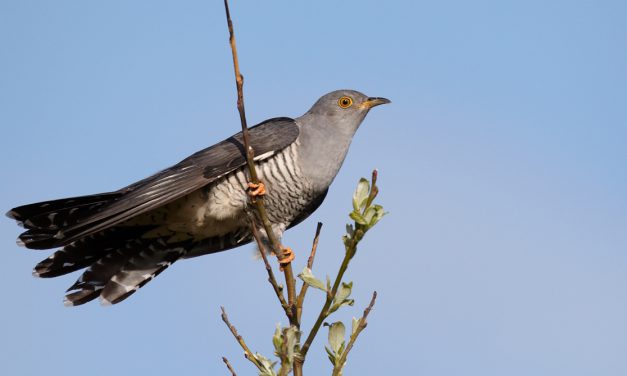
<point>502,159</point>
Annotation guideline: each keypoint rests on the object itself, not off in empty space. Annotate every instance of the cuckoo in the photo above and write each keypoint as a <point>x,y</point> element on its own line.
<point>125,238</point>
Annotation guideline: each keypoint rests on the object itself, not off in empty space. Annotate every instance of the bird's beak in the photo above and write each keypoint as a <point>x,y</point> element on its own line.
<point>373,101</point>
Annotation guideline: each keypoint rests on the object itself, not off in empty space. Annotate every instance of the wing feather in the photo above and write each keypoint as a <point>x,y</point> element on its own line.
<point>191,174</point>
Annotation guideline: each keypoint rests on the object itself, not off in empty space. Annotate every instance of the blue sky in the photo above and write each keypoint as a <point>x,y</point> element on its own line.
<point>502,164</point>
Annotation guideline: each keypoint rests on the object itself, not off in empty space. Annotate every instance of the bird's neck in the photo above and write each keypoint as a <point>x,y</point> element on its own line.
<point>323,147</point>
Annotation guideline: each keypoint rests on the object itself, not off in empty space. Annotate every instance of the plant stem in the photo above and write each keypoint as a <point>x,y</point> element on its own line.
<point>247,353</point>
<point>290,282</point>
<point>324,312</point>
<point>271,278</point>
<point>298,368</point>
<point>351,249</point>
<point>228,365</point>
<point>360,327</point>
<point>303,290</point>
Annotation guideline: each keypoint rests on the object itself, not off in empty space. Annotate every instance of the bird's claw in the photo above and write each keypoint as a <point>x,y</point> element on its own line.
<point>256,189</point>
<point>288,256</point>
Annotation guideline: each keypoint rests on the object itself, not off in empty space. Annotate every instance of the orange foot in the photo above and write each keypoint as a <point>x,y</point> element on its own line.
<point>256,189</point>
<point>288,256</point>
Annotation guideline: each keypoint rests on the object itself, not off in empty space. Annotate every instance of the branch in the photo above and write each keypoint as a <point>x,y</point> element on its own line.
<point>228,365</point>
<point>239,82</point>
<point>350,241</point>
<point>250,153</point>
<point>314,246</point>
<point>275,286</point>
<point>247,353</point>
<point>310,261</point>
<point>324,312</point>
<point>360,327</point>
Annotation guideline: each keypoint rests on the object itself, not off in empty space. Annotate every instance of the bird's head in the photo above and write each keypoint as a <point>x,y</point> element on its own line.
<point>345,108</point>
<point>326,132</point>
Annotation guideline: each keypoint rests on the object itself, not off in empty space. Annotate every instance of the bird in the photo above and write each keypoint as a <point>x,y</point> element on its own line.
<point>201,205</point>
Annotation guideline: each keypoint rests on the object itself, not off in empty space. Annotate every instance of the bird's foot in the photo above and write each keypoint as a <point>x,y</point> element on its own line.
<point>288,256</point>
<point>256,189</point>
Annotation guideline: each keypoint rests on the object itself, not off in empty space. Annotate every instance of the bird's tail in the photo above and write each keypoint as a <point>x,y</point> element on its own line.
<point>86,251</point>
<point>44,221</point>
<point>123,271</point>
<point>118,259</point>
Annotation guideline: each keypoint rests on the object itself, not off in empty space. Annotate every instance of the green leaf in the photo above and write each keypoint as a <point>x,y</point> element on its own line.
<point>369,214</point>
<point>312,281</point>
<point>266,367</point>
<point>344,291</point>
<point>341,297</point>
<point>291,336</point>
<point>361,194</point>
<point>277,340</point>
<point>335,307</point>
<point>331,355</point>
<point>378,214</point>
<point>355,325</point>
<point>337,331</point>
<point>355,216</point>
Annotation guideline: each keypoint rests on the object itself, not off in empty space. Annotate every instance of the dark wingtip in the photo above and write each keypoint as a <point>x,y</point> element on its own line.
<point>43,268</point>
<point>80,297</point>
<point>106,303</point>
<point>12,214</point>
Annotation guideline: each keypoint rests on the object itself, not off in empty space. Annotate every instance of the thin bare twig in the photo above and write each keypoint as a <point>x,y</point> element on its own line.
<point>275,286</point>
<point>303,290</point>
<point>360,327</point>
<point>290,282</point>
<point>228,365</point>
<point>239,82</point>
<point>247,353</point>
<point>314,246</point>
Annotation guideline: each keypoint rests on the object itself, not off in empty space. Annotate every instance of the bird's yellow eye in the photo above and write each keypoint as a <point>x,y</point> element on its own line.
<point>345,102</point>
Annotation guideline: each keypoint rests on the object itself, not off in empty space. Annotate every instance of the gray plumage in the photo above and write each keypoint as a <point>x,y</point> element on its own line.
<point>199,206</point>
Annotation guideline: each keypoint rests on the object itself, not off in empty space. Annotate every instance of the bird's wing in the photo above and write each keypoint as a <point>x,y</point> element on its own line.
<point>190,174</point>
